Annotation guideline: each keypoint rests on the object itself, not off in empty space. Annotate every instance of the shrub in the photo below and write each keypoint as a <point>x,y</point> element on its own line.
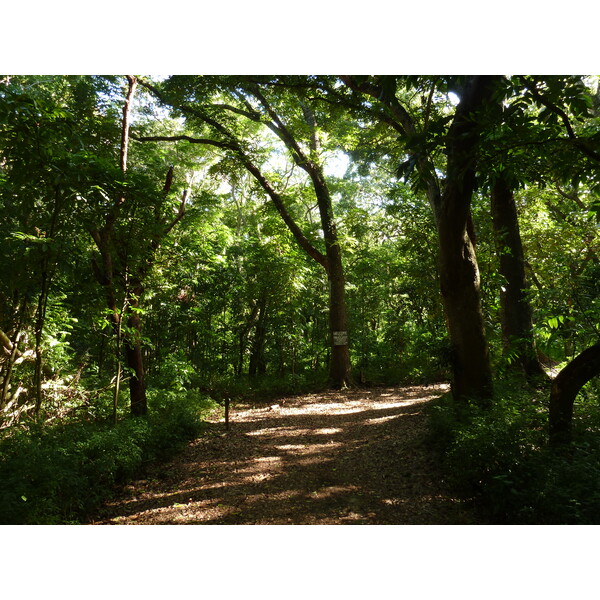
<point>500,458</point>
<point>58,474</point>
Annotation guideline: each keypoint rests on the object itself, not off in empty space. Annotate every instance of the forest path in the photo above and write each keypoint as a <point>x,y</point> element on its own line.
<point>350,457</point>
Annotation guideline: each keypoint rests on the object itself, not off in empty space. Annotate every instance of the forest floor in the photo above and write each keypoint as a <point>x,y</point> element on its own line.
<point>350,457</point>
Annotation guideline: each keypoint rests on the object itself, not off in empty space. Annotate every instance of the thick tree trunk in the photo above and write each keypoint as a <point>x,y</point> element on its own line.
<point>460,286</point>
<point>515,310</point>
<point>340,371</point>
<point>459,272</point>
<point>565,388</point>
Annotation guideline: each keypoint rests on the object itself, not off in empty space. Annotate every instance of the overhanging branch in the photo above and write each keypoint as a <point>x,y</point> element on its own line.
<point>577,141</point>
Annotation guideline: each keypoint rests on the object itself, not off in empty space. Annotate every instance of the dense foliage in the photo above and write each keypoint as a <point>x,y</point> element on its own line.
<point>170,239</point>
<point>500,458</point>
<point>58,474</point>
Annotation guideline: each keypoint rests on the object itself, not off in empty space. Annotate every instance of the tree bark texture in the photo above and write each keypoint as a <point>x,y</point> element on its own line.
<point>515,309</point>
<point>459,272</point>
<point>460,286</point>
<point>565,388</point>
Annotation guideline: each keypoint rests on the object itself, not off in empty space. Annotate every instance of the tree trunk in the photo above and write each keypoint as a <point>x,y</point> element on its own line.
<point>257,355</point>
<point>565,388</point>
<point>133,354</point>
<point>515,310</point>
<point>459,272</point>
<point>9,349</point>
<point>135,362</point>
<point>39,330</point>
<point>243,337</point>
<point>460,285</point>
<point>340,370</point>
<point>46,277</point>
<point>105,274</point>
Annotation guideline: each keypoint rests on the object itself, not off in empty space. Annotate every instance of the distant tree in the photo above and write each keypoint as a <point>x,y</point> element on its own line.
<point>303,147</point>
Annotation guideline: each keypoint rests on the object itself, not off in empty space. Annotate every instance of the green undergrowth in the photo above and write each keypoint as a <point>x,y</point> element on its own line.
<point>265,388</point>
<point>500,458</point>
<point>53,475</point>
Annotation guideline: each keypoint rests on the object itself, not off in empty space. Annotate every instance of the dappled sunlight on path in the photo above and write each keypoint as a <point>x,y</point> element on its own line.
<point>356,457</point>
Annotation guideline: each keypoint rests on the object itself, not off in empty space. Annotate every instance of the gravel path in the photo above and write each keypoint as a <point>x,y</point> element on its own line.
<point>351,457</point>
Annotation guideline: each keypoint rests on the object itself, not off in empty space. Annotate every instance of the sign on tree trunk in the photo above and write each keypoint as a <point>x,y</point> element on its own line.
<point>340,338</point>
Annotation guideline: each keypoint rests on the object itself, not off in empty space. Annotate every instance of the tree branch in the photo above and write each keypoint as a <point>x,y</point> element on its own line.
<point>282,132</point>
<point>180,212</point>
<point>184,138</point>
<point>126,123</point>
<point>577,141</point>
<point>301,239</point>
<point>401,115</point>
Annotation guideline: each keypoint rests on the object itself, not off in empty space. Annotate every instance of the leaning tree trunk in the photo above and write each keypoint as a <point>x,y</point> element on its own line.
<point>9,350</point>
<point>459,272</point>
<point>565,388</point>
<point>515,310</point>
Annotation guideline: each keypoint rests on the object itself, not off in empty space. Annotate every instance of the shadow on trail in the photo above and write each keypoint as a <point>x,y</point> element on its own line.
<point>355,458</point>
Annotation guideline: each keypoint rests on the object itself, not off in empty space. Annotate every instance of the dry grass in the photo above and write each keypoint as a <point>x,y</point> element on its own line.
<point>351,457</point>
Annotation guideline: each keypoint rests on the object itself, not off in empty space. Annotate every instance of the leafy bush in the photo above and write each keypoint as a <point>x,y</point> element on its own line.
<point>57,475</point>
<point>500,458</point>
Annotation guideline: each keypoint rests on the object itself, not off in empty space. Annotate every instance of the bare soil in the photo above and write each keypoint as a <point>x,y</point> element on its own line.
<point>350,457</point>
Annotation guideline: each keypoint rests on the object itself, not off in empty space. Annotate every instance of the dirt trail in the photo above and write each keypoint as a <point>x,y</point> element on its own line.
<point>352,457</point>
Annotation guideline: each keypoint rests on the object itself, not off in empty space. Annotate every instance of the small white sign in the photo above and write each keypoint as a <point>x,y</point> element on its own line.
<point>340,338</point>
